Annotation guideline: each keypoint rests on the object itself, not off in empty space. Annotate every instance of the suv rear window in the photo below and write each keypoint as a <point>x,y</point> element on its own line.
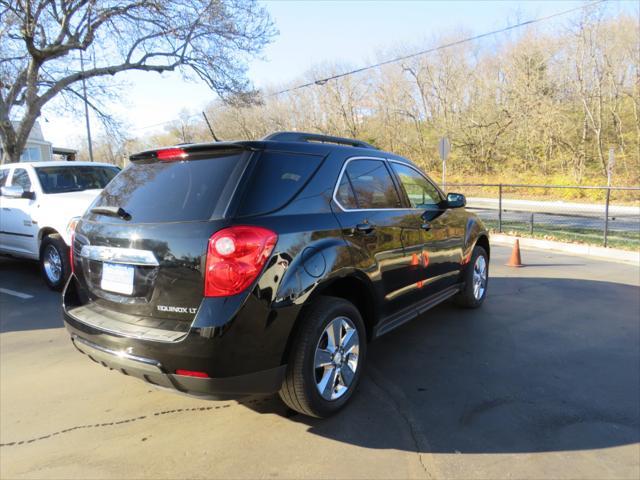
<point>153,191</point>
<point>275,180</point>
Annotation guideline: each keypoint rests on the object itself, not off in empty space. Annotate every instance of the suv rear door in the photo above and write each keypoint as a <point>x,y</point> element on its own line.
<point>370,211</point>
<point>145,267</point>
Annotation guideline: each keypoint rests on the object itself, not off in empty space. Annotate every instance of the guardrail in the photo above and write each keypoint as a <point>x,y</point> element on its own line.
<point>510,207</point>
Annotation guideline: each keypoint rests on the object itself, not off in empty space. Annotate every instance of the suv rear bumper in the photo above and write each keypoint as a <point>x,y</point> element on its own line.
<point>152,371</point>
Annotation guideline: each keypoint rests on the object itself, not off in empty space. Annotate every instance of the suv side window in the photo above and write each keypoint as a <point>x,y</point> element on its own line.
<point>420,191</point>
<point>4,173</point>
<point>277,179</point>
<point>368,185</point>
<point>21,178</point>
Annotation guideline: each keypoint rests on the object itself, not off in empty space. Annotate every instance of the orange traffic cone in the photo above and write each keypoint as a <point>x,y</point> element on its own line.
<point>515,260</point>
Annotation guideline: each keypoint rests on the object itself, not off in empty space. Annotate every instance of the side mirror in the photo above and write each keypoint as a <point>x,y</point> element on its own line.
<point>456,200</point>
<point>13,191</point>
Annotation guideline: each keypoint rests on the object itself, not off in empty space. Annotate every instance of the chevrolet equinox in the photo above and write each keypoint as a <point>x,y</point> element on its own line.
<point>255,267</point>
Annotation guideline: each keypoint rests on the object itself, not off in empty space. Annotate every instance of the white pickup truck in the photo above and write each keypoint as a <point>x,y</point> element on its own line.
<point>38,202</point>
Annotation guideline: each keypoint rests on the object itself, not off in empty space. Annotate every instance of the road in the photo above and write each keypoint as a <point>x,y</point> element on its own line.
<point>542,381</point>
<point>558,215</point>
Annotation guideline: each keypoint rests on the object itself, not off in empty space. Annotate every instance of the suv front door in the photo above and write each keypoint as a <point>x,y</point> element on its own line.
<point>441,233</point>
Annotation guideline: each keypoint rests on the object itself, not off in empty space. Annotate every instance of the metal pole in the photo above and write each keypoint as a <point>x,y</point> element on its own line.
<point>531,225</point>
<point>86,108</point>
<point>500,208</point>
<point>444,174</point>
<point>606,216</point>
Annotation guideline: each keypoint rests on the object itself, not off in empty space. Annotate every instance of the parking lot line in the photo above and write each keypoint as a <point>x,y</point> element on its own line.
<point>24,296</point>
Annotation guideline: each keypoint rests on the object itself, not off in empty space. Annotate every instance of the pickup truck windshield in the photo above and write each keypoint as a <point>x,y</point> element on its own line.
<point>74,178</point>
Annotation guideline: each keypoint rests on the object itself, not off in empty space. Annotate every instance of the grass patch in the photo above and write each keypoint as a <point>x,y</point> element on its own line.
<point>625,240</point>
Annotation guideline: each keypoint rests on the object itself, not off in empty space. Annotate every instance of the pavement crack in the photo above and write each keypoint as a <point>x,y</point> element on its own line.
<point>399,402</point>
<point>131,420</point>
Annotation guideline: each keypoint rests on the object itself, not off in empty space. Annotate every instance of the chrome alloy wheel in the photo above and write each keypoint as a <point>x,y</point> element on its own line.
<point>336,358</point>
<point>52,264</point>
<point>479,277</point>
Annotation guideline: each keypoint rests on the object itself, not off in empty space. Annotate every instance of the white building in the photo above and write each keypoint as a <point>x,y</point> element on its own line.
<point>38,149</point>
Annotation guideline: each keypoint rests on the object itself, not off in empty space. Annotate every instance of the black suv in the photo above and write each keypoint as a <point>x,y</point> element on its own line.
<point>255,267</point>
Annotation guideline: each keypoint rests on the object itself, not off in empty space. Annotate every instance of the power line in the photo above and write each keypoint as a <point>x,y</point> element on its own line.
<point>323,81</point>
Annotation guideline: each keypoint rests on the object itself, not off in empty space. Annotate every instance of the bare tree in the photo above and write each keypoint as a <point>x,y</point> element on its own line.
<point>208,40</point>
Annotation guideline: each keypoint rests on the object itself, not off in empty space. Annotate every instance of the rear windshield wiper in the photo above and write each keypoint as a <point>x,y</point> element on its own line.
<point>112,211</point>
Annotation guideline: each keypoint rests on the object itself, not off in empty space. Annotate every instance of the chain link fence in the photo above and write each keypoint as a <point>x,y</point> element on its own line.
<point>608,216</point>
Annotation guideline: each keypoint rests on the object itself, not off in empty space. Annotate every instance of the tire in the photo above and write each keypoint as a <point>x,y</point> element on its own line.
<point>301,387</point>
<point>54,261</point>
<point>469,297</point>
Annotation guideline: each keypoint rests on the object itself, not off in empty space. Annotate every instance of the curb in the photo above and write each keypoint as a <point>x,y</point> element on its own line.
<point>614,254</point>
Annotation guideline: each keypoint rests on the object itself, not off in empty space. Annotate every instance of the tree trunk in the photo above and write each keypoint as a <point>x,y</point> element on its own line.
<point>14,140</point>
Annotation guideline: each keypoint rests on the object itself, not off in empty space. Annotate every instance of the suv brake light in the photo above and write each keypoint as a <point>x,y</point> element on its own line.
<point>235,258</point>
<point>169,154</point>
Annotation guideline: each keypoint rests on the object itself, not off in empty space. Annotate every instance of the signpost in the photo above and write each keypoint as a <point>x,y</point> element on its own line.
<point>444,147</point>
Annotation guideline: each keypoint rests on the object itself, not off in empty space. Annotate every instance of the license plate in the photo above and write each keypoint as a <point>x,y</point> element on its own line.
<point>117,278</point>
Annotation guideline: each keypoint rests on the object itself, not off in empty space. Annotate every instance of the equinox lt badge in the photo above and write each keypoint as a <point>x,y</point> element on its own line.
<point>165,308</point>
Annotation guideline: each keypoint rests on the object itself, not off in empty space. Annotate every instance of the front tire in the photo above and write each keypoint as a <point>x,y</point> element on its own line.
<point>54,261</point>
<point>326,360</point>
<point>475,279</point>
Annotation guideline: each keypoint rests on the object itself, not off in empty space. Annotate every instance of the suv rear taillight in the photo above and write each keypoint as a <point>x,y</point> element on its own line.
<point>235,258</point>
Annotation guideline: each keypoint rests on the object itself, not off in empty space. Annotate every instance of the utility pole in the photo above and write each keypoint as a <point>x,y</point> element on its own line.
<point>86,108</point>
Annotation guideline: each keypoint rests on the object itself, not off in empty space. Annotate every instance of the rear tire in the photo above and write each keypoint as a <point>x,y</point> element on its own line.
<point>54,261</point>
<point>476,280</point>
<point>326,360</point>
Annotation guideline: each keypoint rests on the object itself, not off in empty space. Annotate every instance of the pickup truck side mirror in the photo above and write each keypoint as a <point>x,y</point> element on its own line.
<point>456,200</point>
<point>16,191</point>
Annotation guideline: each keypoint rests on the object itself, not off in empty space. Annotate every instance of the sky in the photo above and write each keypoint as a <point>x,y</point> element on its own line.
<point>353,33</point>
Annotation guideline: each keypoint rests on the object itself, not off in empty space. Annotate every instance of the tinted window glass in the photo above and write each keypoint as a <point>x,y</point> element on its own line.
<point>372,184</point>
<point>421,193</point>
<point>3,176</point>
<point>345,195</point>
<point>182,191</point>
<point>275,180</point>
<point>21,179</point>
<point>74,178</point>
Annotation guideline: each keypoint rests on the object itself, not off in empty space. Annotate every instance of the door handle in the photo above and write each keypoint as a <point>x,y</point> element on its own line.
<point>364,228</point>
<point>426,226</point>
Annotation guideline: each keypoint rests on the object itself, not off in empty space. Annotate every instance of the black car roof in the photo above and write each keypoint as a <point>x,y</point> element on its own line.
<point>299,142</point>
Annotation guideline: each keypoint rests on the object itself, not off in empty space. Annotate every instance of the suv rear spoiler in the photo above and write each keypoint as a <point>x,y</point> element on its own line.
<point>316,137</point>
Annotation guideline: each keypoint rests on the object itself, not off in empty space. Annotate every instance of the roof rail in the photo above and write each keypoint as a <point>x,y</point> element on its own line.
<point>316,137</point>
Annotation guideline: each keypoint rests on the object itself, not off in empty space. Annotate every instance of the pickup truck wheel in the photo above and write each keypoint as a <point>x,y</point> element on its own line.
<point>54,261</point>
<point>476,279</point>
<point>326,360</point>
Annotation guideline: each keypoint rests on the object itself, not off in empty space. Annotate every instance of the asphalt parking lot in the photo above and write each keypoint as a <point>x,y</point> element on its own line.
<point>543,381</point>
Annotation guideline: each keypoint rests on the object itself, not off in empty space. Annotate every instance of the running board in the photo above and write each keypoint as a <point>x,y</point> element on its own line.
<point>394,321</point>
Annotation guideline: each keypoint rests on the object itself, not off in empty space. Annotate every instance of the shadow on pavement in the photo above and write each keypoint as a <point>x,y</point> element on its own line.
<point>21,314</point>
<point>545,365</point>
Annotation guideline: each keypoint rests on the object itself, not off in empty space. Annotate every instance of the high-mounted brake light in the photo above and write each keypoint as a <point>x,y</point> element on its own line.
<point>169,154</point>
<point>235,258</point>
<point>192,373</point>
